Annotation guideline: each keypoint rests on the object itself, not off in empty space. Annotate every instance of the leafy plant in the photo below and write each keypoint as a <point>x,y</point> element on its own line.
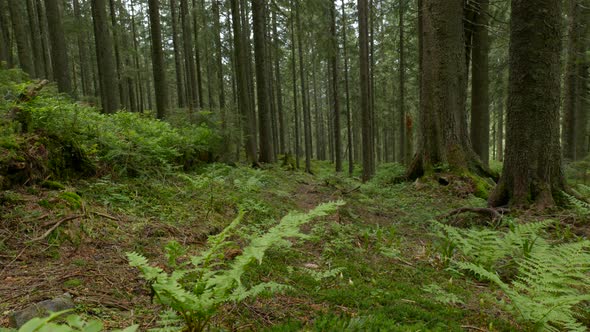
<point>195,290</point>
<point>73,323</point>
<point>549,281</point>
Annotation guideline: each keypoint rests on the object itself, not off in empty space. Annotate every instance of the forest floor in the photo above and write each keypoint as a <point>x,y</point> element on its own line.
<point>375,265</point>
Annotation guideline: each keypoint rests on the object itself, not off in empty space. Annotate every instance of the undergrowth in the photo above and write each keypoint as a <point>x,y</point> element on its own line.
<point>195,290</point>
<point>545,282</point>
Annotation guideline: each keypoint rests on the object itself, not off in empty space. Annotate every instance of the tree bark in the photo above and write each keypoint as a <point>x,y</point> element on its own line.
<point>21,37</point>
<point>192,95</point>
<point>59,50</point>
<point>247,114</point>
<point>335,91</point>
<point>304,99</point>
<point>480,97</point>
<point>264,125</point>
<point>404,154</point>
<point>35,39</point>
<point>365,91</point>
<point>5,38</point>
<point>180,90</point>
<point>158,65</point>
<point>444,138</point>
<point>105,58</point>
<point>347,93</point>
<point>532,173</point>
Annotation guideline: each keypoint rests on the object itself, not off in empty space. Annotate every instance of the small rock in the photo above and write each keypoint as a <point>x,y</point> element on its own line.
<point>41,309</point>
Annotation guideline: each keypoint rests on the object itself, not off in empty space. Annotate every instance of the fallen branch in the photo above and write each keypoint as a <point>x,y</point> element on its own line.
<point>104,215</point>
<point>56,225</point>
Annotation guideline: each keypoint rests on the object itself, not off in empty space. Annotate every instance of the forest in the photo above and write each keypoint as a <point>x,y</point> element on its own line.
<point>294,165</point>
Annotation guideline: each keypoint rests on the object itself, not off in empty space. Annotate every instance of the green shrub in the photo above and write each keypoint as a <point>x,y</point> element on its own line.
<point>73,323</point>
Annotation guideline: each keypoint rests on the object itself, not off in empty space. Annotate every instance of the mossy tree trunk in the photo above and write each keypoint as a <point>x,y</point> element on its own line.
<point>443,138</point>
<point>532,173</point>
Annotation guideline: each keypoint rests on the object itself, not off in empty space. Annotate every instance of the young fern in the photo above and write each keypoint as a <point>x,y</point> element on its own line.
<point>194,291</point>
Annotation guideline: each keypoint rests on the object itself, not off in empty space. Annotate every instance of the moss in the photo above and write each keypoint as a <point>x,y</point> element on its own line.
<point>72,199</point>
<point>73,283</point>
<point>481,186</point>
<point>53,185</point>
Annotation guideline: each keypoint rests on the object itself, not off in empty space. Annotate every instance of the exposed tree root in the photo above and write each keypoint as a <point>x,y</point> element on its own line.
<point>495,214</point>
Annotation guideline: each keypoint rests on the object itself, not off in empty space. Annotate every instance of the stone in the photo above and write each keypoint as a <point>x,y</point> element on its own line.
<point>41,309</point>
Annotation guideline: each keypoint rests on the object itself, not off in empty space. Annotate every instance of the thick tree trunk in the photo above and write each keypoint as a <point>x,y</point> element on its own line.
<point>264,125</point>
<point>158,65</point>
<point>480,97</point>
<point>443,138</point>
<point>42,19</point>
<point>59,50</point>
<point>247,114</point>
<point>532,173</point>
<point>105,58</point>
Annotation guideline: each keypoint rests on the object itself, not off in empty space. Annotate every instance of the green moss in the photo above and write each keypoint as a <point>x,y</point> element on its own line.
<point>73,283</point>
<point>53,185</point>
<point>482,187</point>
<point>72,199</point>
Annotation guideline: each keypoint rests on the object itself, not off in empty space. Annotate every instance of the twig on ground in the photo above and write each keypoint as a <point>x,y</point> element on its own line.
<point>56,225</point>
<point>104,215</point>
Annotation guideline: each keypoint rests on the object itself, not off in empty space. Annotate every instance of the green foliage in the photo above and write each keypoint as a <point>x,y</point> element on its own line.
<point>72,138</point>
<point>194,291</point>
<point>73,323</point>
<point>579,206</point>
<point>550,280</point>
<point>441,295</point>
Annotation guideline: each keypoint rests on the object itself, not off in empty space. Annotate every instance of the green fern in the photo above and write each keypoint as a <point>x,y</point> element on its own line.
<point>551,280</point>
<point>193,292</point>
<point>579,206</point>
<point>73,323</point>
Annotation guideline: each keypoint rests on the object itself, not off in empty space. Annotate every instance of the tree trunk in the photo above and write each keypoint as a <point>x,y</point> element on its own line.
<point>365,83</point>
<point>199,82</point>
<point>347,92</point>
<point>158,65</point>
<point>219,56</point>
<point>443,138</point>
<point>304,99</point>
<point>244,103</point>
<point>35,39</point>
<point>59,50</point>
<point>575,87</point>
<point>480,97</point>
<point>264,125</point>
<point>192,95</point>
<point>42,19</point>
<point>180,90</point>
<point>335,92</point>
<point>294,79</point>
<point>532,172</point>
<point>105,58</point>
<point>404,154</point>
<point>5,37</point>
<point>20,35</point>
<point>283,130</point>
<point>82,51</point>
